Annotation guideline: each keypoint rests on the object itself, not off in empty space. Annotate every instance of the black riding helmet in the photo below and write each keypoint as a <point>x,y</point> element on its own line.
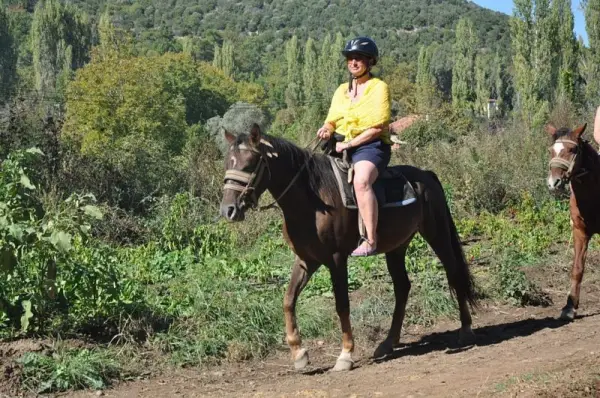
<point>363,46</point>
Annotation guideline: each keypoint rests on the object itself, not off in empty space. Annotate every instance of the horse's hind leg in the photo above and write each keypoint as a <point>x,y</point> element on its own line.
<point>396,266</point>
<point>439,231</point>
<point>301,273</point>
<point>581,241</point>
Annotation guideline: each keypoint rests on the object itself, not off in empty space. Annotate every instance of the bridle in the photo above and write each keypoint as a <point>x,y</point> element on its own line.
<point>246,182</point>
<point>568,165</point>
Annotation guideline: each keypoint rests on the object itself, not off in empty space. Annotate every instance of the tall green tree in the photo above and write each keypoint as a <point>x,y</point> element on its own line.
<point>424,81</point>
<point>544,52</point>
<point>522,37</point>
<point>483,84</point>
<point>338,45</point>
<point>463,73</point>
<point>328,69</point>
<point>592,58</point>
<point>217,58</point>
<point>567,47</point>
<point>228,59</point>
<point>293,91</point>
<point>61,41</point>
<point>309,73</point>
<point>8,57</point>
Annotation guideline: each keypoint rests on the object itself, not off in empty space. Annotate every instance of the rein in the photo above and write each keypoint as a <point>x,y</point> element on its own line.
<point>246,183</point>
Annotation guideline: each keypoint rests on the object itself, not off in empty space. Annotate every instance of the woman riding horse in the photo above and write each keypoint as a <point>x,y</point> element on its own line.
<point>360,111</point>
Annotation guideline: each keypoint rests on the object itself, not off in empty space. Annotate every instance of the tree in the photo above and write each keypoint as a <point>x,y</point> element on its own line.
<point>544,51</point>
<point>311,95</point>
<point>424,81</point>
<point>228,60</point>
<point>328,69</point>
<point>592,59</point>
<point>522,34</point>
<point>567,47</point>
<point>463,73</point>
<point>61,40</point>
<point>293,91</point>
<point>483,85</point>
<point>338,45</point>
<point>8,57</point>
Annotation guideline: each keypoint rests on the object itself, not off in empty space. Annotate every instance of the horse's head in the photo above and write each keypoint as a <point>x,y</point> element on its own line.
<point>246,173</point>
<point>565,160</point>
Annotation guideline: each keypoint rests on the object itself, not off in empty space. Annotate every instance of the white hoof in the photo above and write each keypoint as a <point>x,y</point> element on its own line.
<point>344,362</point>
<point>301,359</point>
<point>567,314</point>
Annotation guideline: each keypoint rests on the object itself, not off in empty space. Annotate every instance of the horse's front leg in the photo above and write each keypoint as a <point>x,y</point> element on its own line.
<point>301,273</point>
<point>581,240</point>
<point>339,280</point>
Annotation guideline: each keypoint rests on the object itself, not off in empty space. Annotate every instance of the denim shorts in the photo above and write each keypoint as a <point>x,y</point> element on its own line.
<point>376,152</point>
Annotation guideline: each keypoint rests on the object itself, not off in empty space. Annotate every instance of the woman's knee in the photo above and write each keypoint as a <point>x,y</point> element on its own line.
<point>362,181</point>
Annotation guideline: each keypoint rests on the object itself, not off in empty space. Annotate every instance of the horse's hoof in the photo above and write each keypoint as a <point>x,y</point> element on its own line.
<point>385,348</point>
<point>567,314</point>
<point>301,360</point>
<point>466,337</point>
<point>343,363</point>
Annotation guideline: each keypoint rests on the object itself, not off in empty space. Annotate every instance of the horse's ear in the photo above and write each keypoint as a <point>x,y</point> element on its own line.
<point>550,129</point>
<point>579,131</point>
<point>229,137</point>
<point>255,135</point>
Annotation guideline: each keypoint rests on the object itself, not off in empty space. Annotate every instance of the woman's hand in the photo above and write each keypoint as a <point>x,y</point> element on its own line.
<point>324,133</point>
<point>342,146</point>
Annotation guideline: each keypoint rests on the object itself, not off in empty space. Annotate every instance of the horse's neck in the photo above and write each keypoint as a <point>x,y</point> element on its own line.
<point>587,186</point>
<point>291,187</point>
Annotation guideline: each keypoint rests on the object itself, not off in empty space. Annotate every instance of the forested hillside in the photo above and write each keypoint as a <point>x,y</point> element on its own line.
<point>259,28</point>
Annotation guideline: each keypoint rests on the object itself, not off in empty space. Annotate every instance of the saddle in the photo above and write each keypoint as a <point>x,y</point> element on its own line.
<point>392,188</point>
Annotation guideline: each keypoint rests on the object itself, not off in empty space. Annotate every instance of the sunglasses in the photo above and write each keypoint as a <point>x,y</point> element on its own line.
<point>357,57</point>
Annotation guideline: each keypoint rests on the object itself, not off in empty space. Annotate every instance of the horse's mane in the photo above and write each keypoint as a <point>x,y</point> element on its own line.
<point>320,177</point>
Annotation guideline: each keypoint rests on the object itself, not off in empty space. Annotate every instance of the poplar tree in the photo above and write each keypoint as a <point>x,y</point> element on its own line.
<point>463,72</point>
<point>60,41</point>
<point>217,59</point>
<point>8,57</point>
<point>424,81</point>
<point>567,48</point>
<point>293,93</point>
<point>592,59</point>
<point>544,51</point>
<point>228,59</point>
<point>310,72</point>
<point>522,34</point>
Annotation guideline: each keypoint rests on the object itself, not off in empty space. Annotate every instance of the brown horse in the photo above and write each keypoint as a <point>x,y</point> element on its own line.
<point>320,230</point>
<point>575,162</point>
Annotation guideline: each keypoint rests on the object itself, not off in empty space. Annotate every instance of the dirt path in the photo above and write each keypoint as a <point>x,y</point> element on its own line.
<point>519,352</point>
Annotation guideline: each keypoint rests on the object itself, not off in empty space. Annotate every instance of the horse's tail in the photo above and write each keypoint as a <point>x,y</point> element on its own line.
<point>460,278</point>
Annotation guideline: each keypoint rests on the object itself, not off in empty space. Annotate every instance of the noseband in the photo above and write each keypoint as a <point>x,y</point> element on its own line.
<point>566,165</point>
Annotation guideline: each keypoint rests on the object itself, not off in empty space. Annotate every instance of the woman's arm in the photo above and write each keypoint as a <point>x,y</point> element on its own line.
<point>363,138</point>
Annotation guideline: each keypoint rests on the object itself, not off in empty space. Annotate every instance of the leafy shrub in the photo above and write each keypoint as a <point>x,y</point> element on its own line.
<point>67,369</point>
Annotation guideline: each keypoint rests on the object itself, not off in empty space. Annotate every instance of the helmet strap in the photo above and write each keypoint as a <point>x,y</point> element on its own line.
<point>352,83</point>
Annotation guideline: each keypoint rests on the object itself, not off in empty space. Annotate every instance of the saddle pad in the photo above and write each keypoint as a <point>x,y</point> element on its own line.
<point>391,188</point>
